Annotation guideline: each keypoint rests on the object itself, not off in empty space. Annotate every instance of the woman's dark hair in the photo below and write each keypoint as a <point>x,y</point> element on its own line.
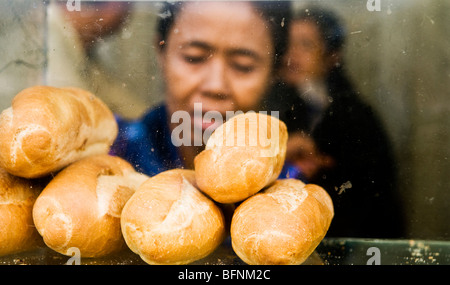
<point>330,26</point>
<point>277,15</point>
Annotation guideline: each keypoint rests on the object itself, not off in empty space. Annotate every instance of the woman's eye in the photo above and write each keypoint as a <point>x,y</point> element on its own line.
<point>194,59</point>
<point>243,68</point>
<point>197,57</point>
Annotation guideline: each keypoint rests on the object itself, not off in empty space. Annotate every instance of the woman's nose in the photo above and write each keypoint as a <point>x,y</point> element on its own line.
<point>215,81</point>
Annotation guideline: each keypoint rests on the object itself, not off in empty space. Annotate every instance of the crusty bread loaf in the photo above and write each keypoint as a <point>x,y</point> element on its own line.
<point>282,224</point>
<point>17,196</point>
<point>47,128</point>
<point>241,157</point>
<point>82,204</point>
<point>169,221</point>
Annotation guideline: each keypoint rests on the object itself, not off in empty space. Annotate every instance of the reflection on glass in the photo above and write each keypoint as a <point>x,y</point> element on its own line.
<point>393,61</point>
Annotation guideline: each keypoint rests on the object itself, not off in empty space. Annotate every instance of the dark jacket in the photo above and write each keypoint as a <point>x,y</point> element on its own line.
<point>362,184</point>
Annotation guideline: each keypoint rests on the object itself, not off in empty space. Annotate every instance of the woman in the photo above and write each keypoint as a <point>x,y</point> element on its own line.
<point>214,56</point>
<point>342,146</point>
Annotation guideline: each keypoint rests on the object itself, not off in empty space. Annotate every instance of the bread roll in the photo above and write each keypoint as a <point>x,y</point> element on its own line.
<point>241,157</point>
<point>47,128</point>
<point>17,231</point>
<point>169,221</point>
<point>281,225</point>
<point>81,206</point>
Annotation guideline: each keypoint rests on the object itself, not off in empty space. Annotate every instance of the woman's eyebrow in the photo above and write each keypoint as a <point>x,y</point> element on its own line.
<point>229,52</point>
<point>197,44</point>
<point>243,52</point>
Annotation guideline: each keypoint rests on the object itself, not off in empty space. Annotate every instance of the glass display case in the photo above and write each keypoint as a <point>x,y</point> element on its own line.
<point>331,251</point>
<point>396,54</point>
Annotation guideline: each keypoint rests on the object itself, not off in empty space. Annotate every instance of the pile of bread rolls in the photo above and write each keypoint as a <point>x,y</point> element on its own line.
<point>57,182</point>
<point>280,221</point>
<point>98,203</point>
<point>174,216</point>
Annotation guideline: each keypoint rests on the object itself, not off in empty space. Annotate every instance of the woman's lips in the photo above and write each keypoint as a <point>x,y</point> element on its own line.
<point>210,121</point>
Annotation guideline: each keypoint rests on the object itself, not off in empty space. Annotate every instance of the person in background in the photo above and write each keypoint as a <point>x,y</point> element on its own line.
<point>336,139</point>
<point>221,54</point>
<point>76,54</point>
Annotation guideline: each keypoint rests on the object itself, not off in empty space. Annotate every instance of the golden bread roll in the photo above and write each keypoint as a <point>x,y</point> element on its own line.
<point>169,221</point>
<point>281,225</point>
<point>17,231</point>
<point>47,128</point>
<point>241,157</point>
<point>81,206</point>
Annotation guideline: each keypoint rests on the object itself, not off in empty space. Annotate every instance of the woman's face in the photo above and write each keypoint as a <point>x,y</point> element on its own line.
<point>218,54</point>
<point>306,58</point>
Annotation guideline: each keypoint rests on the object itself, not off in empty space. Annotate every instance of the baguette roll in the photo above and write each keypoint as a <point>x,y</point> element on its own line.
<point>281,225</point>
<point>81,206</point>
<point>48,128</point>
<point>169,221</point>
<point>17,231</point>
<point>241,157</point>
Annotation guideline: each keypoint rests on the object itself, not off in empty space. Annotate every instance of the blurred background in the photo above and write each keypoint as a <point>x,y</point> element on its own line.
<point>398,57</point>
